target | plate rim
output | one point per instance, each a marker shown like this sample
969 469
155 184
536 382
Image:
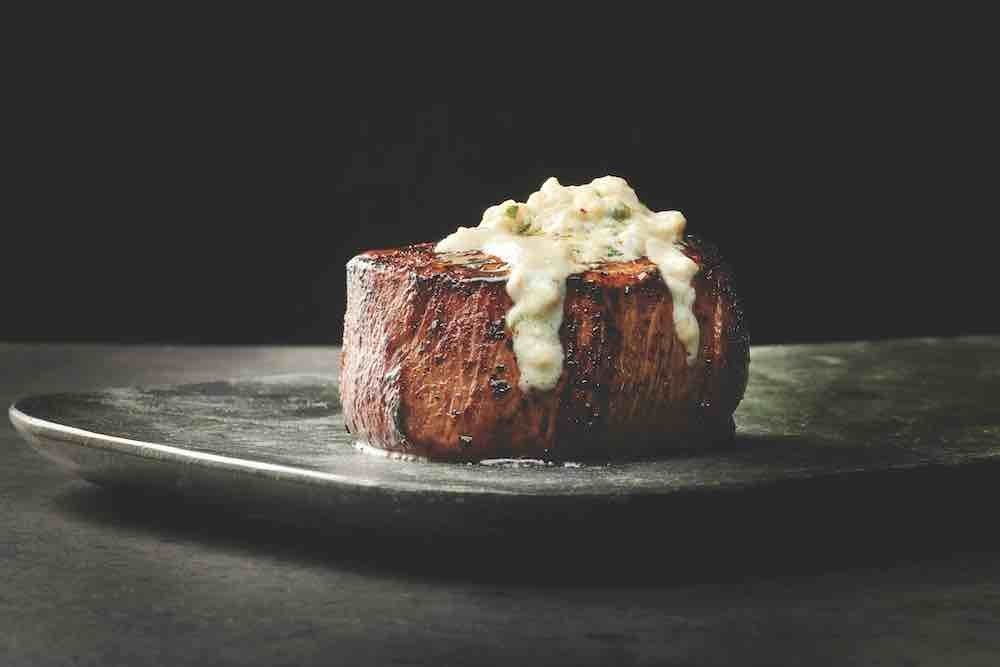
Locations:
30 427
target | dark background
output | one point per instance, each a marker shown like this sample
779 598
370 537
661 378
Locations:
210 189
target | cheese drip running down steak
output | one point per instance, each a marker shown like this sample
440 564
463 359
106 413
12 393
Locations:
563 230
575 325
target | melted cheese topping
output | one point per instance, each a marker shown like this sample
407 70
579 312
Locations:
562 230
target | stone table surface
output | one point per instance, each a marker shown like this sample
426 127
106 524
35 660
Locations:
90 576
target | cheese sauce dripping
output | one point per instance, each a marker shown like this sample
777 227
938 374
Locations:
562 230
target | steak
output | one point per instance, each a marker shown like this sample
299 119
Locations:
428 367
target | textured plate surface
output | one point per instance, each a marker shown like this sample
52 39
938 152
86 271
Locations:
810 411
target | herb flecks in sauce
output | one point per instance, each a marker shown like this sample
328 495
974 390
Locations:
621 212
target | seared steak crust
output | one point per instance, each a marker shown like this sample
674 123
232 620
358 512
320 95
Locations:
428 367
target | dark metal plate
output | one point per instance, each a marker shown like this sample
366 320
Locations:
817 411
